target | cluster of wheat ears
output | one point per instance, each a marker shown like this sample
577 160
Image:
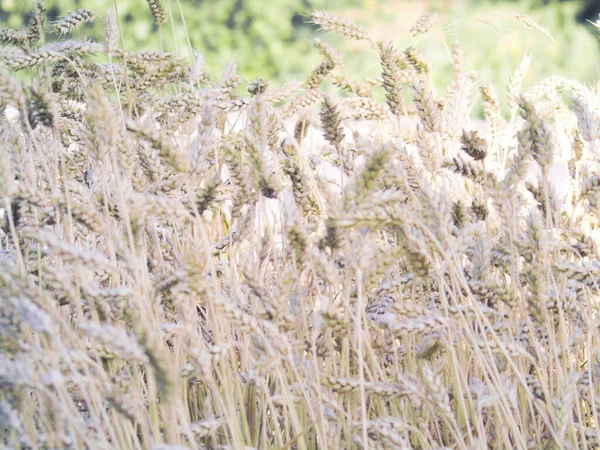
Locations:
183 266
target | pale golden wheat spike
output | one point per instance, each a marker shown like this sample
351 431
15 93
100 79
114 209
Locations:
342 27
424 23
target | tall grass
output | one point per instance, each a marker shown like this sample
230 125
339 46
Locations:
185 267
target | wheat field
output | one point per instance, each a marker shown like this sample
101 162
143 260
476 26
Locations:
185 266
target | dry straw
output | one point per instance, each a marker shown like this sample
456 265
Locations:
185 266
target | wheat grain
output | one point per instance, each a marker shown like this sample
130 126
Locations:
35 30
158 11
392 82
424 24
68 23
342 27
178 270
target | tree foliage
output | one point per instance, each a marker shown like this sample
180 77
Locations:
266 39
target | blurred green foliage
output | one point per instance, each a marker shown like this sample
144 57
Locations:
273 39
270 39
494 41
495 49
573 53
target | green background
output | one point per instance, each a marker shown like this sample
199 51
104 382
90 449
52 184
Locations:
274 39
